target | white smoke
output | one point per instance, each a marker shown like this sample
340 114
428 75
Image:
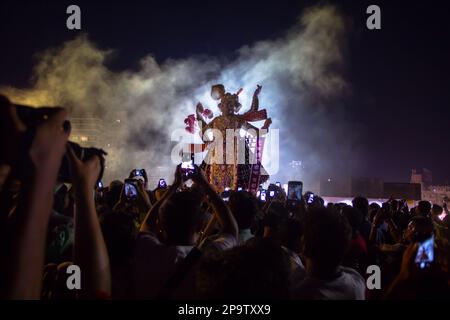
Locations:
298 72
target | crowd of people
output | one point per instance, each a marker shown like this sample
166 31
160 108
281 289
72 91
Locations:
131 241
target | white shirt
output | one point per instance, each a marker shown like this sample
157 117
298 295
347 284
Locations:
349 285
155 262
244 235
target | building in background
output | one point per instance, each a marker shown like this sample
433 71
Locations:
343 189
433 193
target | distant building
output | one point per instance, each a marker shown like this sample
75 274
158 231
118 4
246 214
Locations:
88 131
372 188
433 193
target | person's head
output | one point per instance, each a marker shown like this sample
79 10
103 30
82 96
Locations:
394 205
217 91
275 216
113 194
354 217
140 175
373 209
180 217
436 210
419 229
244 207
423 208
119 231
361 204
325 240
289 233
257 270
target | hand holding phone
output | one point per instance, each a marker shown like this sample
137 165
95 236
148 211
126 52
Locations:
425 253
130 189
162 184
262 195
187 165
295 190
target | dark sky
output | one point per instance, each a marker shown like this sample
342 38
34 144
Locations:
400 75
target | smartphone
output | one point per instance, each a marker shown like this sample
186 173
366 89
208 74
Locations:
425 253
226 194
100 184
239 189
263 195
258 193
187 164
295 190
278 184
162 184
130 189
272 194
310 198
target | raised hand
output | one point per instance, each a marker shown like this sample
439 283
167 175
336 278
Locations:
258 90
267 123
84 173
178 177
49 145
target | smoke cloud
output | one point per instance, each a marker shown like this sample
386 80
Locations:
301 75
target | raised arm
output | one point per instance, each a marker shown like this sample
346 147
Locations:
27 230
90 252
221 210
150 221
255 100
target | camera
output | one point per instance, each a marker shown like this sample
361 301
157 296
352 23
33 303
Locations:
32 117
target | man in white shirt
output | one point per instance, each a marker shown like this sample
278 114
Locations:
326 238
170 231
244 207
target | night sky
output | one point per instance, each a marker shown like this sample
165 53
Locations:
399 76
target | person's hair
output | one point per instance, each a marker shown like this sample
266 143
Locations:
423 208
244 207
119 232
257 270
373 208
361 204
289 232
113 194
423 228
326 236
276 214
180 216
437 209
354 217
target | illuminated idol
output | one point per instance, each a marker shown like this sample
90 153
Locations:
234 146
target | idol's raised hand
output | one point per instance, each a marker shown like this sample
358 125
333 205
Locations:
258 90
